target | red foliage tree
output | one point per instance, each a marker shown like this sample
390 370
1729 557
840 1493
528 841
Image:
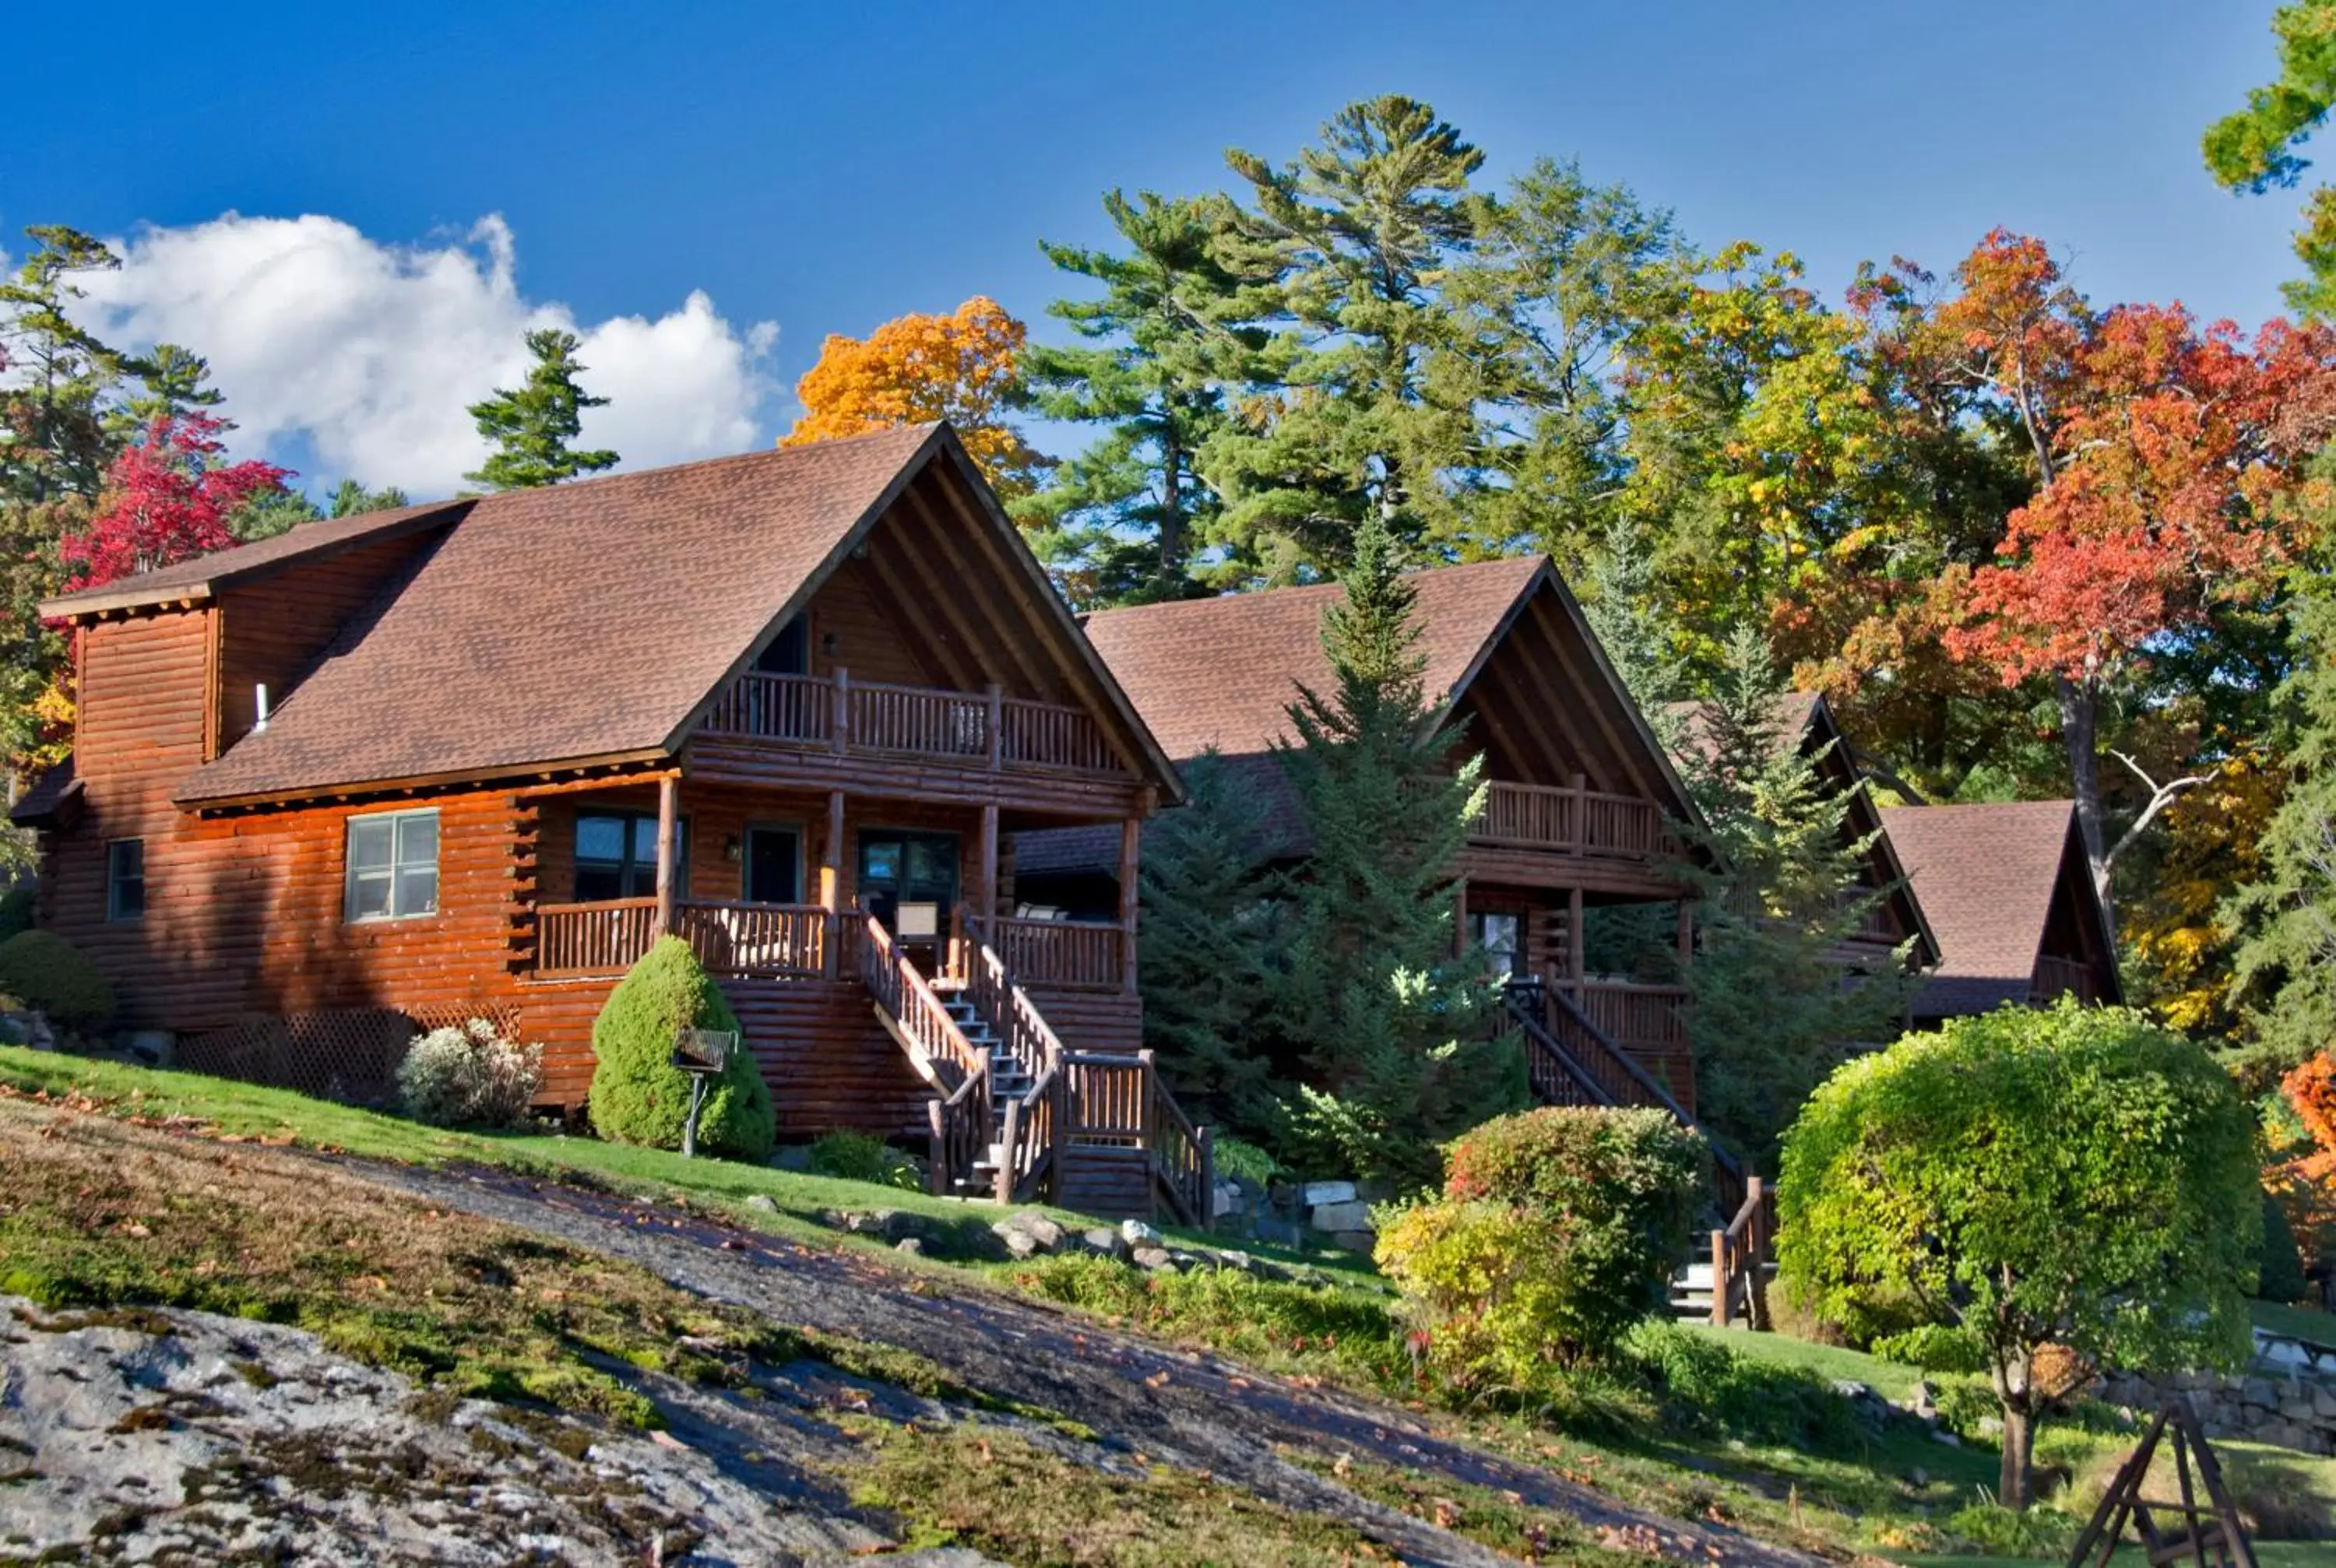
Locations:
2161 450
2305 1183
168 498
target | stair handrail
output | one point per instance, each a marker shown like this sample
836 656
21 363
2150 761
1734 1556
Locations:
1182 1157
999 1000
1656 1094
1738 1255
960 1116
1026 1145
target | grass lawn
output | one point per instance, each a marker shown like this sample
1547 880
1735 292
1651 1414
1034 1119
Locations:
2306 1323
282 1117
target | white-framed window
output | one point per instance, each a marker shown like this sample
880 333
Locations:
393 866
125 879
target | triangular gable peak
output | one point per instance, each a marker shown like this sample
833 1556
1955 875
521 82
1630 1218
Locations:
1819 736
1543 702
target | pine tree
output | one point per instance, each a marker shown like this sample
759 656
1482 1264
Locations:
1771 1013
1209 939
2285 962
1397 1034
1622 601
1358 421
532 425
176 381
61 438
1119 524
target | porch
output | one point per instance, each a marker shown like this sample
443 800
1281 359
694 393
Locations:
1573 820
986 731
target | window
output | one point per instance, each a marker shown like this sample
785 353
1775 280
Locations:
773 873
1498 935
125 879
615 855
393 866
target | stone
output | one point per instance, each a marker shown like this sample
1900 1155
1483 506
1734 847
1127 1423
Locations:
1136 1234
896 1226
2297 1407
1019 1242
1237 1261
2258 1392
913 1246
1351 1215
1044 1233
2323 1400
1917 1477
1105 1241
1314 1195
1926 1403
1153 1258
763 1202
1226 1199
1949 1438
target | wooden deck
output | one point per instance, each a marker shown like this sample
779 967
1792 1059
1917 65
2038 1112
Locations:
1575 820
986 731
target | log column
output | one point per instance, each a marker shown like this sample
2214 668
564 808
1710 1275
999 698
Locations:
1686 936
1131 853
1577 958
668 793
830 881
984 895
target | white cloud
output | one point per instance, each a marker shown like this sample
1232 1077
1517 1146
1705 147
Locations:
373 352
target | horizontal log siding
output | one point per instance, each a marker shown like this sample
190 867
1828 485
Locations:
853 609
1104 1022
272 631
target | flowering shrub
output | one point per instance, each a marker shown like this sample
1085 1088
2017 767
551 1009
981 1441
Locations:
469 1077
857 1157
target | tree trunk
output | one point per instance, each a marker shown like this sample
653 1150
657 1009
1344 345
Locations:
2081 732
2019 1452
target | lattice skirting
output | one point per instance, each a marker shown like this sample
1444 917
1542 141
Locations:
350 1055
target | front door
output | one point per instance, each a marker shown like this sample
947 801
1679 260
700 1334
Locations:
773 865
909 882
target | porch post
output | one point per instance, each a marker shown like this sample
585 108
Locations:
1577 960
830 881
985 903
1686 936
1131 852
668 789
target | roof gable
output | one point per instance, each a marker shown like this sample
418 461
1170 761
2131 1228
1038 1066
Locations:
1987 876
593 622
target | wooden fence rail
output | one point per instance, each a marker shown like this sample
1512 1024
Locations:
979 729
1070 955
1577 820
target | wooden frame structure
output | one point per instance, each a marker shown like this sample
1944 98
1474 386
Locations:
2209 1534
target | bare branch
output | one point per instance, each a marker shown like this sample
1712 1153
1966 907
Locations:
2161 795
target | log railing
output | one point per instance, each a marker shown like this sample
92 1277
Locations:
1000 1002
961 1122
1739 1258
1027 1142
1575 820
580 941
593 939
1183 1160
985 730
2058 977
740 938
1650 1020
1067 955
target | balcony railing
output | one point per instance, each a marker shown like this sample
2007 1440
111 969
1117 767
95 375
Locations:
1069 955
2057 977
1645 1020
607 938
1574 821
986 730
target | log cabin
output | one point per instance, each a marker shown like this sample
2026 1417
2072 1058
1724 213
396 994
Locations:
471 758
1581 797
2010 894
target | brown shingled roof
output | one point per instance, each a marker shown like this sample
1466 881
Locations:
1985 875
581 621
199 578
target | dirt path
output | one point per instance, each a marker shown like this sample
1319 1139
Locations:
1190 1409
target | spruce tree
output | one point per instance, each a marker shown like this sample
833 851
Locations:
532 424
2285 963
1397 1035
1119 524
1209 941
1771 1012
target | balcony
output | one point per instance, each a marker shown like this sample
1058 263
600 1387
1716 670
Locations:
1571 821
980 730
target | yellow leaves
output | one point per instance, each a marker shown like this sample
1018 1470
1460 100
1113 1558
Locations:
964 367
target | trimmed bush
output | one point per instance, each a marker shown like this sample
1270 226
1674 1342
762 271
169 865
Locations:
16 909
45 971
856 1158
638 1095
469 1076
1558 1230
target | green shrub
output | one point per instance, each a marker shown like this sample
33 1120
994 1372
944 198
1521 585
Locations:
46 972
469 1077
1235 1157
2281 1277
16 909
857 1157
2038 1533
638 1095
1709 1389
1934 1347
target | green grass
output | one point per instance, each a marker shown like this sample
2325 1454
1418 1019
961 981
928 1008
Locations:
246 1110
2301 1322
1889 1379
2268 1554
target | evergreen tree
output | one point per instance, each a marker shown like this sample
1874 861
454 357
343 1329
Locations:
175 381
2285 961
1208 944
532 425
1119 522
1622 602
1397 1035
1771 1012
351 498
1358 420
265 516
53 406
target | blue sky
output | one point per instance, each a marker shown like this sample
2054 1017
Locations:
823 169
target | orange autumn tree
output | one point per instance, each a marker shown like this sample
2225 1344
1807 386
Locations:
2305 1182
964 367
2162 452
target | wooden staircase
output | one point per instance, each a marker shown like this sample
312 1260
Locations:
1017 1116
1572 1062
